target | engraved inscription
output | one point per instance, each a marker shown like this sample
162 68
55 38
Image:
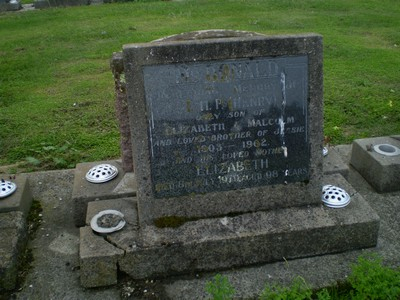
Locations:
224 125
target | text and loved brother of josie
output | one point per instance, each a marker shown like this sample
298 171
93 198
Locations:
235 124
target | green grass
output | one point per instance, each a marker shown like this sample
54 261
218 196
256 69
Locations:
56 88
369 279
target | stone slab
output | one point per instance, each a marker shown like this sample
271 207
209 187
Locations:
127 206
333 163
98 259
124 185
188 61
221 243
92 245
21 199
381 171
246 239
13 240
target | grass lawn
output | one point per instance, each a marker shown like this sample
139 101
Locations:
56 87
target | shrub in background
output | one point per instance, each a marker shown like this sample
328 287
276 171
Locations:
371 280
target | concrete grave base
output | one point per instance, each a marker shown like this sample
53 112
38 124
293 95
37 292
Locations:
12 224
96 252
231 241
10 5
21 199
381 171
124 185
14 210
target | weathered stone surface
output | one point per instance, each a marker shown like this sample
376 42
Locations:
98 254
85 192
127 185
127 206
381 171
13 212
157 196
21 199
246 239
98 259
13 240
334 164
121 106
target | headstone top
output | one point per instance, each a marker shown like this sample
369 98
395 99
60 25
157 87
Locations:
208 34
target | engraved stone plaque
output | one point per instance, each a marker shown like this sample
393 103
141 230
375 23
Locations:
227 124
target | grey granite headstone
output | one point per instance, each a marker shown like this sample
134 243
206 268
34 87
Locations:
225 122
39 4
10 5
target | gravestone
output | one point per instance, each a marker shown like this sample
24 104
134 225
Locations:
232 124
10 5
227 146
39 4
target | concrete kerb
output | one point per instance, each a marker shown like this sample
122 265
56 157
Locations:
14 210
381 170
13 236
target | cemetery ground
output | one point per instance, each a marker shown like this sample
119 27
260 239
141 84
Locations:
57 91
62 79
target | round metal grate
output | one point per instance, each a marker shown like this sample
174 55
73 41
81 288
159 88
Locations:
101 173
7 188
387 149
108 221
335 197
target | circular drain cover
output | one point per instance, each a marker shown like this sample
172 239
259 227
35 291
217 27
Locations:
7 188
334 196
101 173
108 221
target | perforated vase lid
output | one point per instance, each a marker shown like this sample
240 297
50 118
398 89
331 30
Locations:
101 173
7 188
334 196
